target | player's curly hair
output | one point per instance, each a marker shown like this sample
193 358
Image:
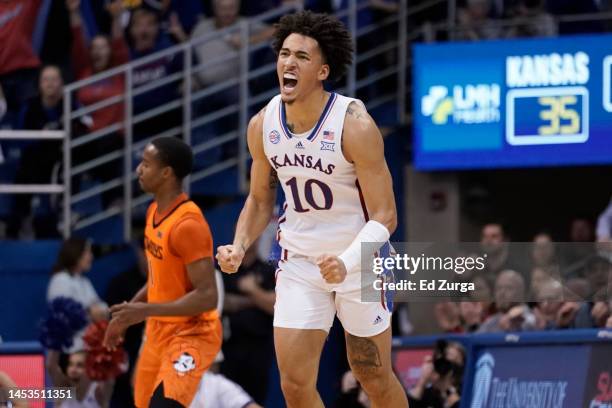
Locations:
332 36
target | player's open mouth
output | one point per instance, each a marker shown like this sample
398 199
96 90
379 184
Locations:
289 81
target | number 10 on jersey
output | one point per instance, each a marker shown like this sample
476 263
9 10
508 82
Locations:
313 194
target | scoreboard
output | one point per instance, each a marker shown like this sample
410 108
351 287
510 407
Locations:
513 103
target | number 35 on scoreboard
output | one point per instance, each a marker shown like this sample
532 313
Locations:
540 116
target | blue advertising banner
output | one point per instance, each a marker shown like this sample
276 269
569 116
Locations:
514 103
530 377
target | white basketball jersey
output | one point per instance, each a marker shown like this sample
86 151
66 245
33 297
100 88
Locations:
324 209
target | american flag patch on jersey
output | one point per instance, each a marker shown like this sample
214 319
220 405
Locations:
328 135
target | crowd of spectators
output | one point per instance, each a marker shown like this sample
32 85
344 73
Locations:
555 285
50 45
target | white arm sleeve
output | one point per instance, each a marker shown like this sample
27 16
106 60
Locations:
372 232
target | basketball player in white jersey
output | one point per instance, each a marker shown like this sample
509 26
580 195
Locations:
328 155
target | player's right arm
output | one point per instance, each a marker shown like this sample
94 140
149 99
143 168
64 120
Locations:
257 210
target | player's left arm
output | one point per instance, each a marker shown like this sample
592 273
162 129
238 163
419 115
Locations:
363 146
202 298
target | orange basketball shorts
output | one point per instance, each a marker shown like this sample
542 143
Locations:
177 353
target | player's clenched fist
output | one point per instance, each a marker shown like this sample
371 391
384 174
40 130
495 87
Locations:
332 268
230 258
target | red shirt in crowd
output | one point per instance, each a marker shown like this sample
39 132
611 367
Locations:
17 21
103 89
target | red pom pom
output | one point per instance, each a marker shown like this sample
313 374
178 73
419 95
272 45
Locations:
102 364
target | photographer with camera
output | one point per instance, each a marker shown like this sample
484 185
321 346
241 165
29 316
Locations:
441 375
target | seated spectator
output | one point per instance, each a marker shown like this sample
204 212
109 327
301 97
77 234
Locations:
88 393
582 237
494 243
18 60
512 311
39 158
248 308
472 315
73 261
540 276
475 24
448 317
549 298
439 385
532 20
543 253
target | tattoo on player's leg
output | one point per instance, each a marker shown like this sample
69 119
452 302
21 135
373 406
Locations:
363 354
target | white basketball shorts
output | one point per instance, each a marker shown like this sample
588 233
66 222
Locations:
305 301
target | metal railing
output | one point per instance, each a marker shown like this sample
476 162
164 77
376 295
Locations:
253 87
452 30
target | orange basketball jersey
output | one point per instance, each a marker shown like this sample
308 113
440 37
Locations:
168 279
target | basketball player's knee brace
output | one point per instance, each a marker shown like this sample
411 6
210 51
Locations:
372 232
158 400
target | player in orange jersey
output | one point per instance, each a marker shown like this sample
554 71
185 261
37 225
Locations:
183 333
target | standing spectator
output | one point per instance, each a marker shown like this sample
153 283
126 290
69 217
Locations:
101 54
228 47
73 261
18 60
145 38
474 22
249 305
38 158
512 311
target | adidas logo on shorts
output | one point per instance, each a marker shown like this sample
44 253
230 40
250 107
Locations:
378 320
